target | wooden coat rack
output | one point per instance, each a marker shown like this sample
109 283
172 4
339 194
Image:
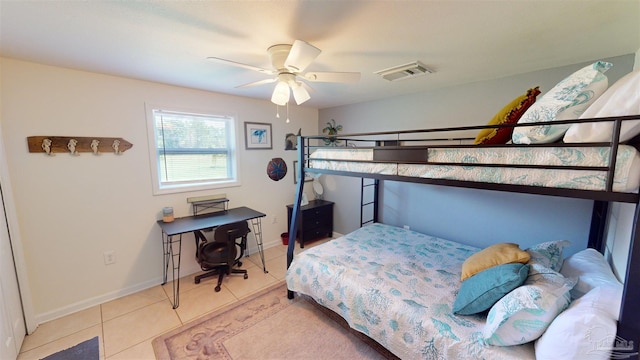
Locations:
74 145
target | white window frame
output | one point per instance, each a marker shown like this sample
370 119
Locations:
158 187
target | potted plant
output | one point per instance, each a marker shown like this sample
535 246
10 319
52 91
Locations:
331 129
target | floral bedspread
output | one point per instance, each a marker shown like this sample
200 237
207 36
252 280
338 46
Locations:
397 286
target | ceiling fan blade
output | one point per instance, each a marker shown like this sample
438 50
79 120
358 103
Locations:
256 83
234 63
339 77
301 55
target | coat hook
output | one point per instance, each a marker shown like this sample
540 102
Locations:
116 147
94 146
72 146
46 146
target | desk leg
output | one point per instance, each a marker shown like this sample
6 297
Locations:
171 253
257 232
165 257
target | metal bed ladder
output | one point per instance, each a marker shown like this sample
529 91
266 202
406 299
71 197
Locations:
369 200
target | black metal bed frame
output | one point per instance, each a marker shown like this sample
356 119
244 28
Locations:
399 147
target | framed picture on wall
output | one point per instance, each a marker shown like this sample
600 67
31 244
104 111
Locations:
257 136
307 177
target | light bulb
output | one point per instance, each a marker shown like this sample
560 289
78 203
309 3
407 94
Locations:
281 93
300 94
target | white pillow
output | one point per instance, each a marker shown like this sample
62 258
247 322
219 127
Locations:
622 98
583 331
592 271
524 314
567 100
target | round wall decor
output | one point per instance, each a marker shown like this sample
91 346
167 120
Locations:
276 169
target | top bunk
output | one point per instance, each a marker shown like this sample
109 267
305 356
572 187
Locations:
607 169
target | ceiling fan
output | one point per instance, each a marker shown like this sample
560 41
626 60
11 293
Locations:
289 63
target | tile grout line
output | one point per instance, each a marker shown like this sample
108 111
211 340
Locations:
252 261
103 347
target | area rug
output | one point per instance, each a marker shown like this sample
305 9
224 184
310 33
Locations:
267 325
86 350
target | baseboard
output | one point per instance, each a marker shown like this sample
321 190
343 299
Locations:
88 303
85 304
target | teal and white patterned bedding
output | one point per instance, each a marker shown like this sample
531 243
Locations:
626 177
397 286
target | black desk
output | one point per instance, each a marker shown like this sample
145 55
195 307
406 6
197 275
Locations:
172 237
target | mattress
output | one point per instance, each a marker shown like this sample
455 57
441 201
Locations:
397 286
626 177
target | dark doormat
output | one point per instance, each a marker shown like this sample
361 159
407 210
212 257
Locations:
86 350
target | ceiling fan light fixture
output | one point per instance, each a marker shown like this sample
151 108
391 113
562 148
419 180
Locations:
300 94
288 63
281 94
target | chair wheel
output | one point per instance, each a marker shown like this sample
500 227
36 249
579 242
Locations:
239 263
217 289
246 276
197 281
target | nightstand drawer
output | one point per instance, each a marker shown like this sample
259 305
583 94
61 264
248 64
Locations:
313 221
319 212
316 233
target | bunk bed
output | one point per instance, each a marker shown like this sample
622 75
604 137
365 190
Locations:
444 157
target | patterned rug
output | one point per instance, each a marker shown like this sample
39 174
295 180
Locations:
267 325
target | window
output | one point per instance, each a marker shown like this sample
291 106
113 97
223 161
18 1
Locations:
191 151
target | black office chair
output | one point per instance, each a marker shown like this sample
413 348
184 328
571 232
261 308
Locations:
218 257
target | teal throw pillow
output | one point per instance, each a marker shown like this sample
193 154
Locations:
479 292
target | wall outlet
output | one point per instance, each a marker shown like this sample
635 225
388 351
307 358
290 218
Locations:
407 227
109 257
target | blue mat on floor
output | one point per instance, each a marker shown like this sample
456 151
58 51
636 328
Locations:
86 350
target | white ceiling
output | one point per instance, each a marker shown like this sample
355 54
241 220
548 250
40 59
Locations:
462 41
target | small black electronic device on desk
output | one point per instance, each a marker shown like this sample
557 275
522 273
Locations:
316 220
172 237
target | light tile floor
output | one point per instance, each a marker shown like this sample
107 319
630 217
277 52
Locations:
126 326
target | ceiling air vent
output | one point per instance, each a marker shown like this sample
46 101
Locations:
405 71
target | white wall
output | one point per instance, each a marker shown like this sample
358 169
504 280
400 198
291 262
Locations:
71 209
441 210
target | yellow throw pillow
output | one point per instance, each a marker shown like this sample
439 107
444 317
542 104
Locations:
510 114
497 254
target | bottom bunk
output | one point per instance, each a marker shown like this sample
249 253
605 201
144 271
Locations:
404 290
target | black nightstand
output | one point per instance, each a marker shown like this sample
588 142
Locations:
316 220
